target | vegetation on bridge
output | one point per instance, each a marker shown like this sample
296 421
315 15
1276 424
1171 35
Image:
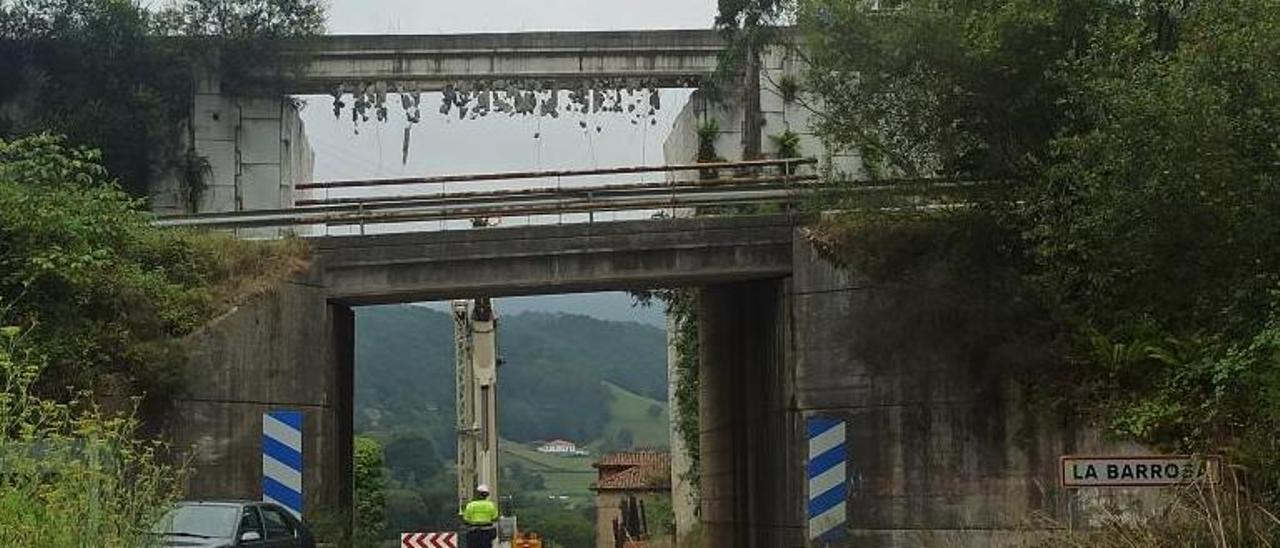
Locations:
1135 146
118 76
93 302
103 296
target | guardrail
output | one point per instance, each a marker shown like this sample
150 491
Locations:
747 183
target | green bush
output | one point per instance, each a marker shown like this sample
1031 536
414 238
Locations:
71 475
102 293
118 75
371 491
1131 153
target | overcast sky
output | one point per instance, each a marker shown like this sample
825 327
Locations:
454 16
442 144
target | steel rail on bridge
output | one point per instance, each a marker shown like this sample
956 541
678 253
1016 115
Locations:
739 189
547 174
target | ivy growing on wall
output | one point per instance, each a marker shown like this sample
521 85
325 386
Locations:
119 77
682 306
682 309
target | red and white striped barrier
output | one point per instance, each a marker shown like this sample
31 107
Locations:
429 540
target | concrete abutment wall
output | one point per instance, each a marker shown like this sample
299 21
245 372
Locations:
946 447
285 349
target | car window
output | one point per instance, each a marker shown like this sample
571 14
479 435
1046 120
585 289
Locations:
278 524
199 520
250 521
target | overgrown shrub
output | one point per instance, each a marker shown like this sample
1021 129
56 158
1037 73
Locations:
103 294
70 474
1135 145
1202 515
371 491
119 75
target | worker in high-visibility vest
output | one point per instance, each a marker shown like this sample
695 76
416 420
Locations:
480 515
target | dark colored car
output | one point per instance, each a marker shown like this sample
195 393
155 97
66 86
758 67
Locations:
232 524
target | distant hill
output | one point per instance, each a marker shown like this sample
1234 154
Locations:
609 306
555 384
634 421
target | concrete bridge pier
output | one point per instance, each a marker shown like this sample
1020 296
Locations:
751 495
288 348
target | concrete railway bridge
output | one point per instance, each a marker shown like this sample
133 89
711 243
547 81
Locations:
834 411
801 366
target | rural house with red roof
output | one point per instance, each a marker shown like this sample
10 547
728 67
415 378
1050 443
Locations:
627 483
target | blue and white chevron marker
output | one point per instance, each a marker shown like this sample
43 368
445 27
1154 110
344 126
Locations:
828 479
282 459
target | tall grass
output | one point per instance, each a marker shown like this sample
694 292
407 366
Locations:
1201 515
70 474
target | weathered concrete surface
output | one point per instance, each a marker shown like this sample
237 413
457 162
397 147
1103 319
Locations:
751 472
945 449
684 502
555 258
285 349
779 114
256 149
670 58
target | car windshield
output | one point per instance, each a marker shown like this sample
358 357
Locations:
203 520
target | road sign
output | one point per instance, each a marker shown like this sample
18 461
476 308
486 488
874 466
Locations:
282 459
1138 471
828 478
428 540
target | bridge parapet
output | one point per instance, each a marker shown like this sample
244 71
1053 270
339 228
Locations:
666 58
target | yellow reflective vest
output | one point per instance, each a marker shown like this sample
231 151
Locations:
480 512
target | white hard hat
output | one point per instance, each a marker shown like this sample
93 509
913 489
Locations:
483 488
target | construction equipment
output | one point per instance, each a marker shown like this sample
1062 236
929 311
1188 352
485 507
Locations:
475 334
474 327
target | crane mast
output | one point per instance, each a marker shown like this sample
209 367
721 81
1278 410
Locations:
475 335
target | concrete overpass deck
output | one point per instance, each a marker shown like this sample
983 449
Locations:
664 58
543 259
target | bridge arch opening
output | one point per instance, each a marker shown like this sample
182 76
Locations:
744 418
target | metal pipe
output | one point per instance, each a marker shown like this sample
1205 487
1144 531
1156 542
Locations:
443 213
512 175
481 197
666 186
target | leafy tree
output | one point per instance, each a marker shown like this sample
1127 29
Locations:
407 511
117 76
550 386
944 88
412 458
102 293
1136 146
248 19
736 15
431 507
371 491
560 527
624 439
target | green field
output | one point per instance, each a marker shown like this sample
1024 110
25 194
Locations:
561 476
631 411
572 476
